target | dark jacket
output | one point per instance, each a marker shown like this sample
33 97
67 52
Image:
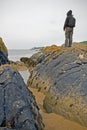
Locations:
66 24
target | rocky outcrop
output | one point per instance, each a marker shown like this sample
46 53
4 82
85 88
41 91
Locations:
61 73
33 61
3 53
3 48
3 59
18 108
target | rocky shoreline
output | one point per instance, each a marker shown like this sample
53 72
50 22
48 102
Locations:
56 71
60 73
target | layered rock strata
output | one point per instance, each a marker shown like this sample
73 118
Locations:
61 73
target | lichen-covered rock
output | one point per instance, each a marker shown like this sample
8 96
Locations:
3 53
62 76
18 108
3 48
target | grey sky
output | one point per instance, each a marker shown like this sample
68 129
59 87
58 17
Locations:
29 23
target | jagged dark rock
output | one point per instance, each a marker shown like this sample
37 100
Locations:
18 108
3 59
62 76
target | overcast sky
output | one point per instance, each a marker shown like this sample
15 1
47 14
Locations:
29 23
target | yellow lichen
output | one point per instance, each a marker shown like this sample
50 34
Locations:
2 46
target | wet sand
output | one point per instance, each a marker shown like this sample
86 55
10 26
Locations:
53 121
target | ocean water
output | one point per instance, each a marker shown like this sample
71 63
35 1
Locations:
25 75
15 55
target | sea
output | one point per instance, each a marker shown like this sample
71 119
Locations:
15 55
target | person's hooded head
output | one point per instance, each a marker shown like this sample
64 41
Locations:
69 12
